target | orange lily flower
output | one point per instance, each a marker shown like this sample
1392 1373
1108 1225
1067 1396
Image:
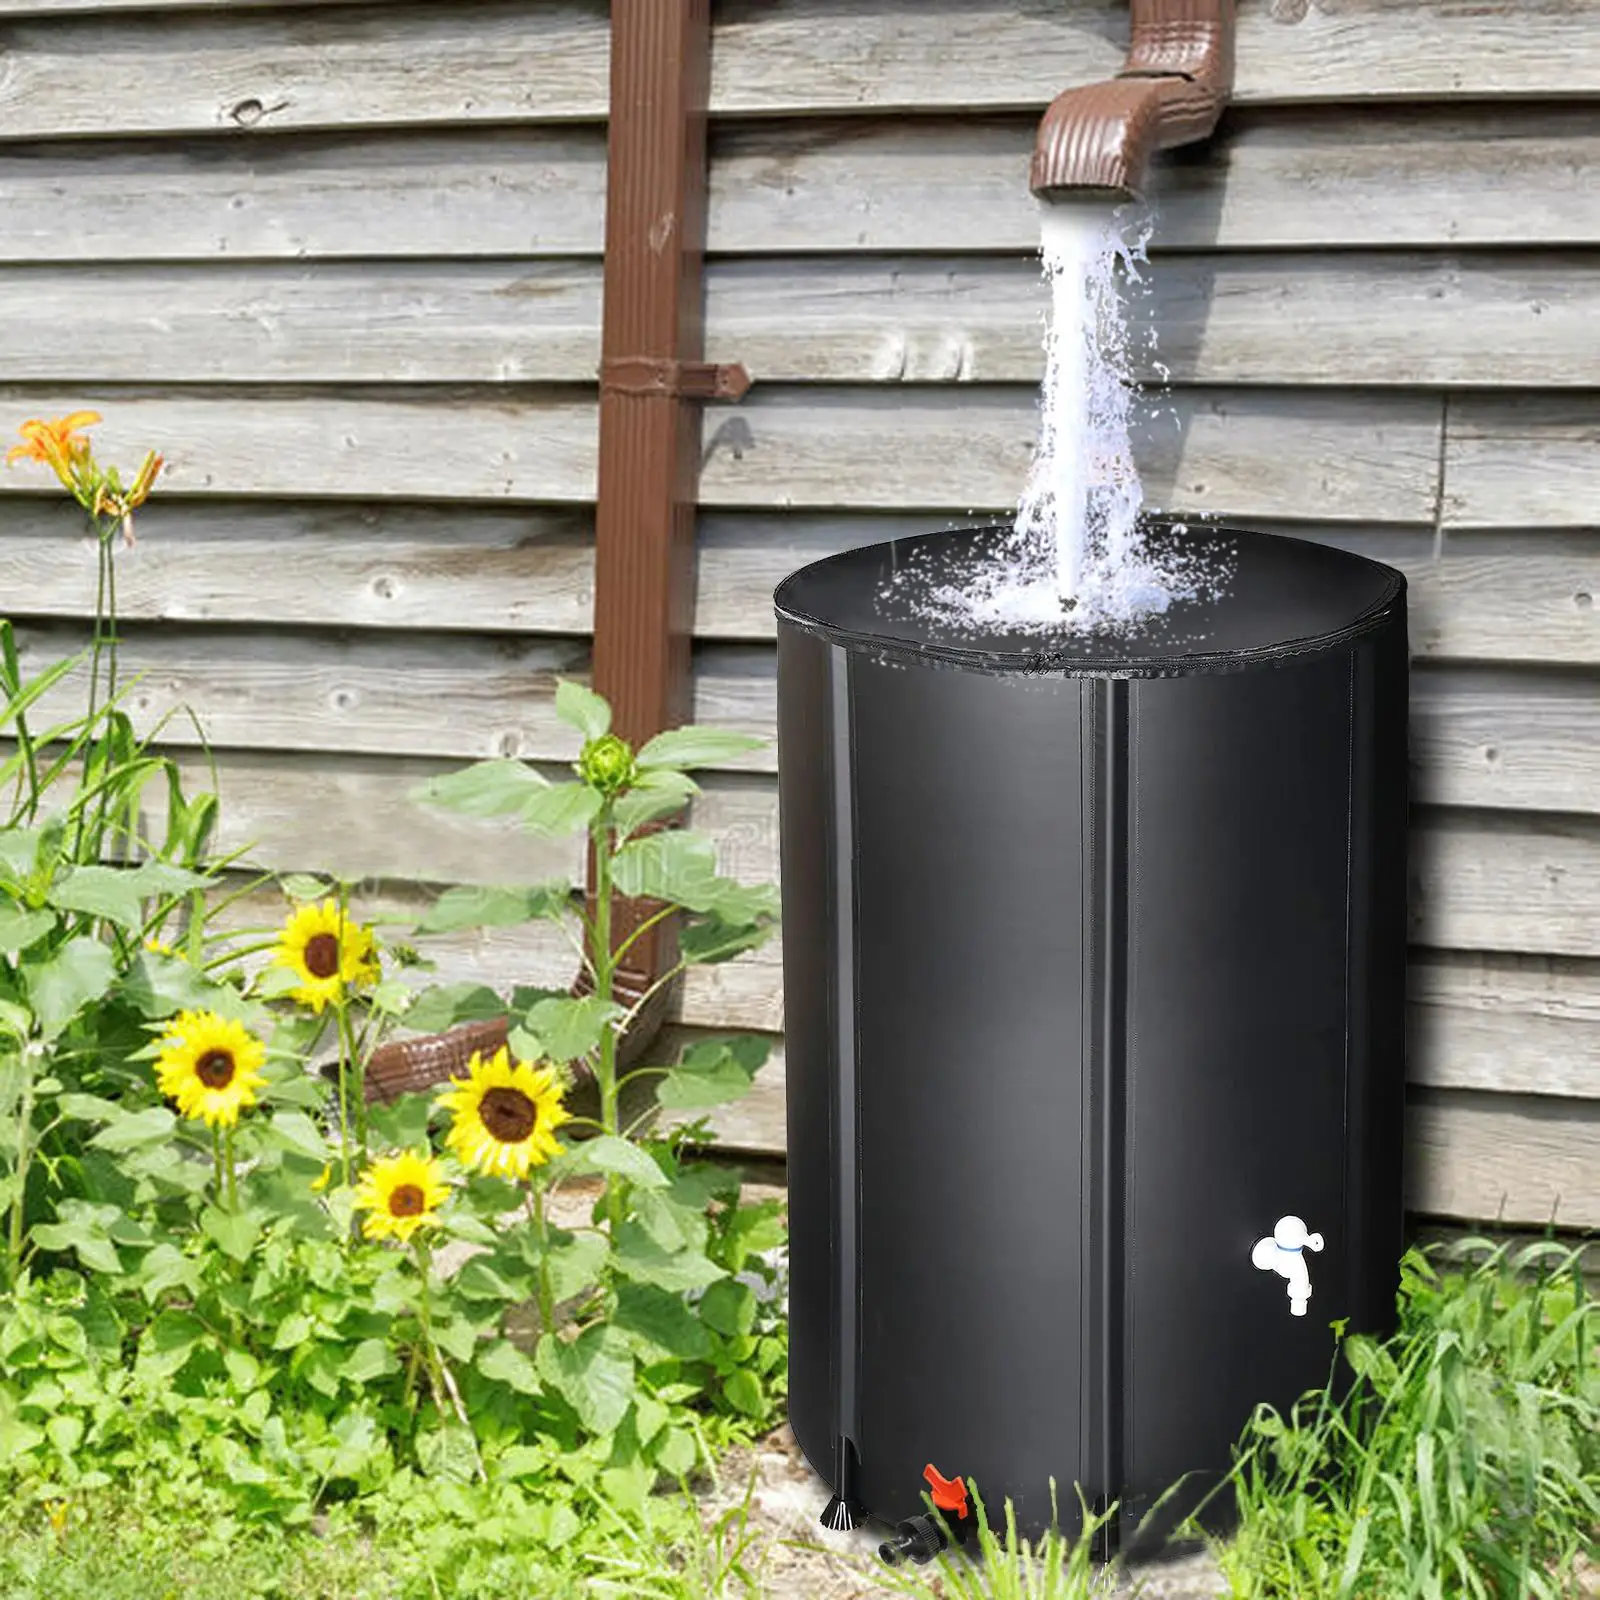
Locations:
110 501
58 444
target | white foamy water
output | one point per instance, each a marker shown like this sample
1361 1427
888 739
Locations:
1076 559
1083 491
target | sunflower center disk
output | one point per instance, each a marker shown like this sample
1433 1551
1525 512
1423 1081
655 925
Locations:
508 1114
215 1069
322 955
407 1201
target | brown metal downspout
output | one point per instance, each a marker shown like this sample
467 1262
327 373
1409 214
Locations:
1171 90
652 379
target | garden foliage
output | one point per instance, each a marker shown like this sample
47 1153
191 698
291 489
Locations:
231 1283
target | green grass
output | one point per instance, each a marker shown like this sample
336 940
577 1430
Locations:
1457 1460
1463 1461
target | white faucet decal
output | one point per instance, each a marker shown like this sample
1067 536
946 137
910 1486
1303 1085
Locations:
1284 1252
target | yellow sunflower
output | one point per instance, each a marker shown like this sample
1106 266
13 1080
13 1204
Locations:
211 1066
504 1116
332 955
402 1193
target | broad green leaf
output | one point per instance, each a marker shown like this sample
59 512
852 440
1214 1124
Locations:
160 986
657 794
403 1123
485 789
660 1319
16 1021
166 1267
729 1307
118 893
505 1363
711 1073
575 1262
479 1279
234 1233
742 1390
619 1158
294 1130
456 1337
673 865
293 1331
133 1130
85 1237
65 1432
566 1028
482 906
175 1332
443 1005
560 809
372 1358
303 886
582 709
694 746
641 1258
19 929
703 941
677 1452
19 850
81 971
594 1374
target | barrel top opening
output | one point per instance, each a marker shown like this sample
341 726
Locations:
1270 598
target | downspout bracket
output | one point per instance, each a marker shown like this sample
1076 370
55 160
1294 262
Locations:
689 380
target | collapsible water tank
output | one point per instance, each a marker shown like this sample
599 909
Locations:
1094 969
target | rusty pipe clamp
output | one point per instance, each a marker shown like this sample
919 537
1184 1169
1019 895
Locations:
688 380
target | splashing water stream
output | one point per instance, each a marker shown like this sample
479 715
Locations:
1076 559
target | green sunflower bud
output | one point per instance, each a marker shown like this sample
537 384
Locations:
607 764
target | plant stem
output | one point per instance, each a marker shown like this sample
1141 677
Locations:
216 1158
344 1116
352 1069
233 1171
24 1160
534 1200
605 966
425 1321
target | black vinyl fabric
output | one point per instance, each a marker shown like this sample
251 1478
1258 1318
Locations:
1091 973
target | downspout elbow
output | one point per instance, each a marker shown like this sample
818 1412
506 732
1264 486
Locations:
1172 89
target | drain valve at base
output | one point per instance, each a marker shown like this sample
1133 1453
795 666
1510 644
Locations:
921 1538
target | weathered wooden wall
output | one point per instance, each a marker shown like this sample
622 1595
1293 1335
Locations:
341 262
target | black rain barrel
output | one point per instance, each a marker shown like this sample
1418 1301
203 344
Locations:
1094 971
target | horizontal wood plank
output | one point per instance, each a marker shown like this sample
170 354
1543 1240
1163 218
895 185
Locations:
434 444
1512 1159
494 191
1521 740
809 55
1516 596
440 568
1427 176
1319 457
1533 461
1337 456
1482 881
1479 880
239 68
1487 740
1351 319
1505 1023
245 71
1332 177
